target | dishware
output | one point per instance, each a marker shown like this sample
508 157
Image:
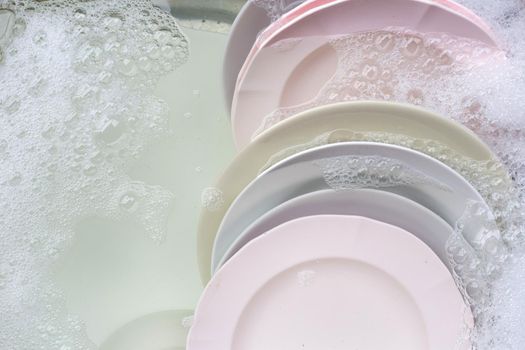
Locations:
374 204
159 330
318 126
331 282
291 66
348 165
247 25
252 20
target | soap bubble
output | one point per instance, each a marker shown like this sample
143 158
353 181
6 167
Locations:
212 198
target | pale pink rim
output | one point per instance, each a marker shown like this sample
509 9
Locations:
393 250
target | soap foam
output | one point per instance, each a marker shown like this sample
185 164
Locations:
351 172
276 8
212 198
76 112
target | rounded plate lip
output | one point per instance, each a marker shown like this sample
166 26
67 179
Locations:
244 125
375 204
161 329
298 175
245 27
234 285
362 116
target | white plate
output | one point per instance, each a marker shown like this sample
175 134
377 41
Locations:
432 184
332 282
378 205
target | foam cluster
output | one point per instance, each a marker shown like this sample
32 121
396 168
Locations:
212 198
76 111
350 172
276 8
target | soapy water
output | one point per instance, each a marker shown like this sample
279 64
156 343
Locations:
76 112
482 88
276 8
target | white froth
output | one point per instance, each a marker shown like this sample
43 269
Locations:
187 322
212 198
76 111
276 8
305 278
348 172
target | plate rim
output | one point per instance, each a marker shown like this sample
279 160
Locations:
330 195
262 243
228 224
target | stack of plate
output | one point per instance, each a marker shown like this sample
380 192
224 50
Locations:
329 230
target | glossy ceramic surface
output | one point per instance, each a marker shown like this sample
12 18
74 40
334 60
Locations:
375 204
331 282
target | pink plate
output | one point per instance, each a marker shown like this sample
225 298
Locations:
253 20
331 282
275 77
373 14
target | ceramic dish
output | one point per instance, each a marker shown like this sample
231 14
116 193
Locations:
248 24
298 133
160 330
419 177
292 73
253 20
309 19
331 282
378 205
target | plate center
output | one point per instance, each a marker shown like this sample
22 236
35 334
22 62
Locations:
335 304
310 74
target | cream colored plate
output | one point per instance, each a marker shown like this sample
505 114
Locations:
294 135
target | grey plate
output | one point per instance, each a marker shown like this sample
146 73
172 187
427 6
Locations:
249 23
299 174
